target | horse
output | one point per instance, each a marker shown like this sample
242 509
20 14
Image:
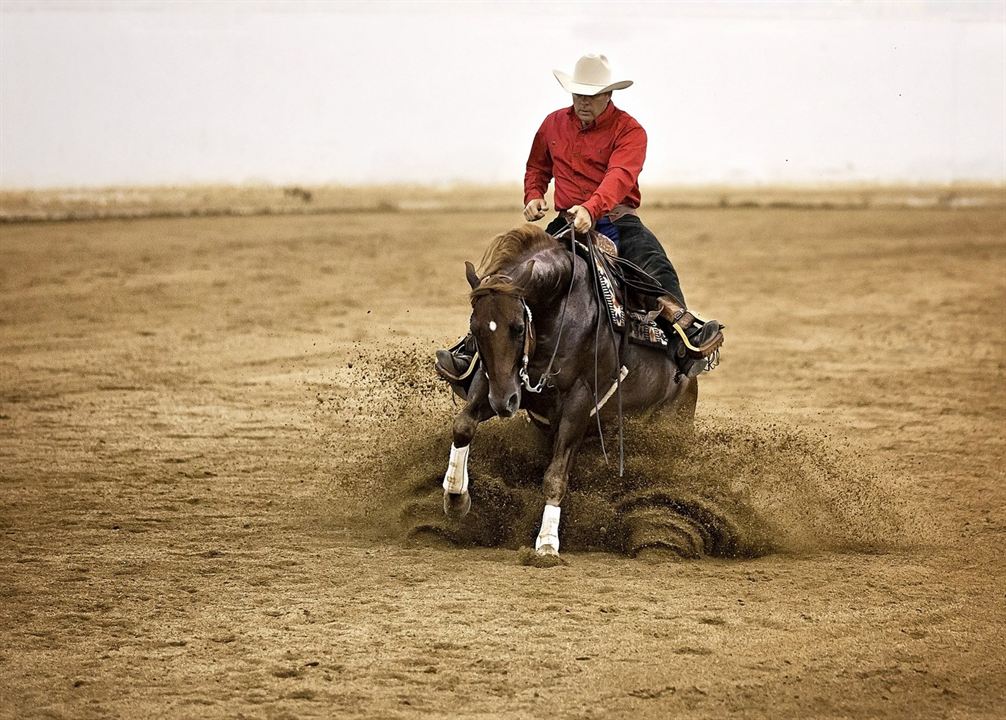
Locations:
546 347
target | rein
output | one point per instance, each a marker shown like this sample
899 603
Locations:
619 376
545 380
592 252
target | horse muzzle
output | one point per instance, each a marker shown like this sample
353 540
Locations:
505 404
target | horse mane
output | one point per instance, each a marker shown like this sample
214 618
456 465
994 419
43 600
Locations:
503 252
507 248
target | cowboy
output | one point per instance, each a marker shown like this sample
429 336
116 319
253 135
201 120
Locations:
594 151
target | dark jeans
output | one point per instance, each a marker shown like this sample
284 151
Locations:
638 245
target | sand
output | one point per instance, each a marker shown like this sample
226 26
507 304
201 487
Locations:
220 441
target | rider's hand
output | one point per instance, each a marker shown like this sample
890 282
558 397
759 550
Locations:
581 218
535 210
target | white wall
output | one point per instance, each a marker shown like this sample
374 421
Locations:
98 93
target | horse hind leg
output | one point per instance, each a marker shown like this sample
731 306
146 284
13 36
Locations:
680 409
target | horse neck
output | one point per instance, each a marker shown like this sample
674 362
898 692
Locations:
550 286
550 279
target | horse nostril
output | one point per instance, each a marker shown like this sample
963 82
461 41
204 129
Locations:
505 407
511 403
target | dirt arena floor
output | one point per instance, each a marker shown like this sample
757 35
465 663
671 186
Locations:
220 441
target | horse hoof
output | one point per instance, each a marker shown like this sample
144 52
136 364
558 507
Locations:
544 557
457 505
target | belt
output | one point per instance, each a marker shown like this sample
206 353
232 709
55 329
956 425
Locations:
620 211
617 212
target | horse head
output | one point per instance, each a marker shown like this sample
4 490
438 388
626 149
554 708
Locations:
501 325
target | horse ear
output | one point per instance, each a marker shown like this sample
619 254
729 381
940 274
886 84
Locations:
522 278
473 277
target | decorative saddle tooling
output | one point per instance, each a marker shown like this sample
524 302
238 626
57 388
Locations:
696 343
643 328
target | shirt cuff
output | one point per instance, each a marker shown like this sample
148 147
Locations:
592 207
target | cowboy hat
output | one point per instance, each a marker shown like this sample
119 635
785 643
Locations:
591 76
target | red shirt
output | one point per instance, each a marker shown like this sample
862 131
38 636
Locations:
596 167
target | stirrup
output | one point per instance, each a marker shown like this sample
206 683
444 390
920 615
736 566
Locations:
701 352
693 367
704 341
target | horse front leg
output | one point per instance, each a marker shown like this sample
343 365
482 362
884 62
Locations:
571 427
457 501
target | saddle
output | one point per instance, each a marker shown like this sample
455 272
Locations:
633 300
623 301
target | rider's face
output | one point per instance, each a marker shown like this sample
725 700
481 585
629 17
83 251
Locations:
588 107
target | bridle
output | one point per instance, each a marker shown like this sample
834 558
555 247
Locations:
528 351
545 380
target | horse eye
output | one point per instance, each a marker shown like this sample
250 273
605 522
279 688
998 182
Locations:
517 330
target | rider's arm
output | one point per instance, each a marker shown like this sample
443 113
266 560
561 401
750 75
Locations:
624 165
539 167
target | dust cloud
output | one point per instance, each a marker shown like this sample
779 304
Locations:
733 488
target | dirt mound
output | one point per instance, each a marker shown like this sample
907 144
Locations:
732 489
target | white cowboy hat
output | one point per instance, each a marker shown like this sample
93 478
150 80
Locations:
591 76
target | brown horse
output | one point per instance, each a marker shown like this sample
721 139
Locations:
546 346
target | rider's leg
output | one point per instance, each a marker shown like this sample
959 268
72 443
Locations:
637 244
694 341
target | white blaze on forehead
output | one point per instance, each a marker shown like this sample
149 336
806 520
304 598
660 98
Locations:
492 326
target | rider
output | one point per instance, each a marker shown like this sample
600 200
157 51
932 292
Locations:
595 152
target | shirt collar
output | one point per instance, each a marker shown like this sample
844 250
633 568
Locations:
605 118
607 115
